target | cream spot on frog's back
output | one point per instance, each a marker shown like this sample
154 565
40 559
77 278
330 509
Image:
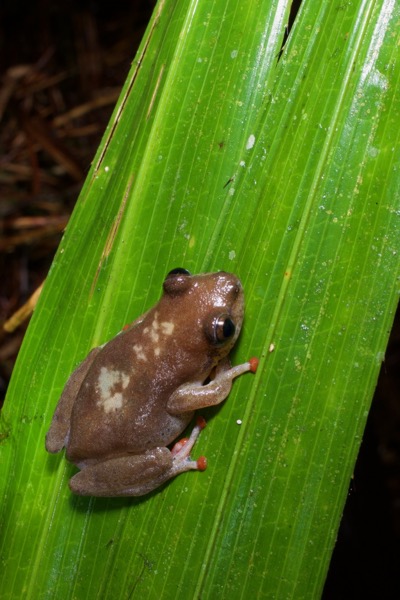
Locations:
110 386
114 403
153 330
156 332
154 336
167 327
155 326
138 350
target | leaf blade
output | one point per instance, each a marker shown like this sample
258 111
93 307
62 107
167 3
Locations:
284 481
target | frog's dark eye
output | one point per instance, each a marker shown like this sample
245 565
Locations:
223 329
178 271
177 282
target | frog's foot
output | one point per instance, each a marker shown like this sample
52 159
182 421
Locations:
181 461
138 474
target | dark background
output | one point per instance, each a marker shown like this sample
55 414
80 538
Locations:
62 65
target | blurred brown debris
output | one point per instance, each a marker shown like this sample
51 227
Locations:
61 70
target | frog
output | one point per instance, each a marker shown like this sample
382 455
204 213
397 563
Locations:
131 397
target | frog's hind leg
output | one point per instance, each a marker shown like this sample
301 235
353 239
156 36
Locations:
129 475
137 474
59 428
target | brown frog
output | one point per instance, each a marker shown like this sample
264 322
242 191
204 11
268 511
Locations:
134 395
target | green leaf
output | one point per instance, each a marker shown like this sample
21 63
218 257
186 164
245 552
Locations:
224 153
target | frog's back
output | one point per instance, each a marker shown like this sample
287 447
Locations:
122 406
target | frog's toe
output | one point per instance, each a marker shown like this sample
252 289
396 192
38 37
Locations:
180 452
182 448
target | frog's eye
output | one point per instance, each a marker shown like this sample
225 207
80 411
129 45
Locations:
223 329
177 282
178 271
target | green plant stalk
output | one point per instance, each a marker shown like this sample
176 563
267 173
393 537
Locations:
224 153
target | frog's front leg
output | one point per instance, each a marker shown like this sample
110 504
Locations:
138 474
193 396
